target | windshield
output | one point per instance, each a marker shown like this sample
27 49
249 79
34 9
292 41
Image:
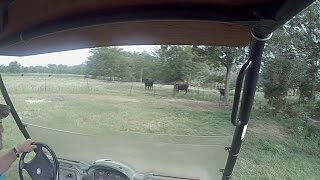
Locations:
86 119
167 155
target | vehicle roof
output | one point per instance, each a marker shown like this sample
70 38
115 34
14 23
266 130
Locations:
38 26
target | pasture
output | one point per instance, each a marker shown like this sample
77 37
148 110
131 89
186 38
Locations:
269 151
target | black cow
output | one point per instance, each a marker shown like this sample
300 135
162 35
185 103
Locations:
148 83
181 87
221 91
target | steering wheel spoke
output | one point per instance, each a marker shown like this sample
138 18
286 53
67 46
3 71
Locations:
40 167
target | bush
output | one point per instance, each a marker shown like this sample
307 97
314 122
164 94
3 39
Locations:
315 110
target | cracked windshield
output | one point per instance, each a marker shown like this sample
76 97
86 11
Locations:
160 112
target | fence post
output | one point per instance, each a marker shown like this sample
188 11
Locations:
88 84
174 89
131 88
203 92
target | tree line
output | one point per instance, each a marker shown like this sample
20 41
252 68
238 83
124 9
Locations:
196 65
15 67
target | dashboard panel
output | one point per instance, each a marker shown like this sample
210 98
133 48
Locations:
72 170
67 174
105 170
99 170
108 174
109 170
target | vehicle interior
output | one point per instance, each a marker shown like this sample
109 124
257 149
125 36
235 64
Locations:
38 27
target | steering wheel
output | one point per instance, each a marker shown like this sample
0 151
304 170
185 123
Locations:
40 167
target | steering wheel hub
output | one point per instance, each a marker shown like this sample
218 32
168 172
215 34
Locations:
38 171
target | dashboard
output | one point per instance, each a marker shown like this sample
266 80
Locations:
99 170
108 174
105 169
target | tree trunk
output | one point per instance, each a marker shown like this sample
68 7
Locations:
312 96
307 88
313 83
226 85
141 74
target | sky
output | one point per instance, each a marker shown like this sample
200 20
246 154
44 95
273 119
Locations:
69 58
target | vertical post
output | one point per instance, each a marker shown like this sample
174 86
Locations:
141 74
45 84
255 56
88 87
198 90
131 88
203 93
174 89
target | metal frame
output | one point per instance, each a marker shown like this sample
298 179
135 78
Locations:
261 32
244 69
250 71
13 111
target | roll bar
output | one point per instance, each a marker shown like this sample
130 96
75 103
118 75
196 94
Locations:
250 70
13 111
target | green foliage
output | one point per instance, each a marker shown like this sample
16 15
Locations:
315 110
14 67
295 116
292 61
221 56
170 63
265 156
144 66
109 62
275 79
177 63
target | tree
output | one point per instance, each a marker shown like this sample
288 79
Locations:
53 68
304 31
276 79
143 65
292 59
177 63
109 62
221 56
14 67
3 69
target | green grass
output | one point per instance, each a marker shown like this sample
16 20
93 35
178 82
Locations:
274 156
270 150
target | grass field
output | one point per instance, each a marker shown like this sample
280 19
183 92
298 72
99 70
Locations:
270 150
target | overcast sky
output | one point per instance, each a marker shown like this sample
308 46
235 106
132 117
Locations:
69 58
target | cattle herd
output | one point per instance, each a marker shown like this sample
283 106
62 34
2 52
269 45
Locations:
178 86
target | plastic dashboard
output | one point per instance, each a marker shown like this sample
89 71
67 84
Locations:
105 169
99 170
